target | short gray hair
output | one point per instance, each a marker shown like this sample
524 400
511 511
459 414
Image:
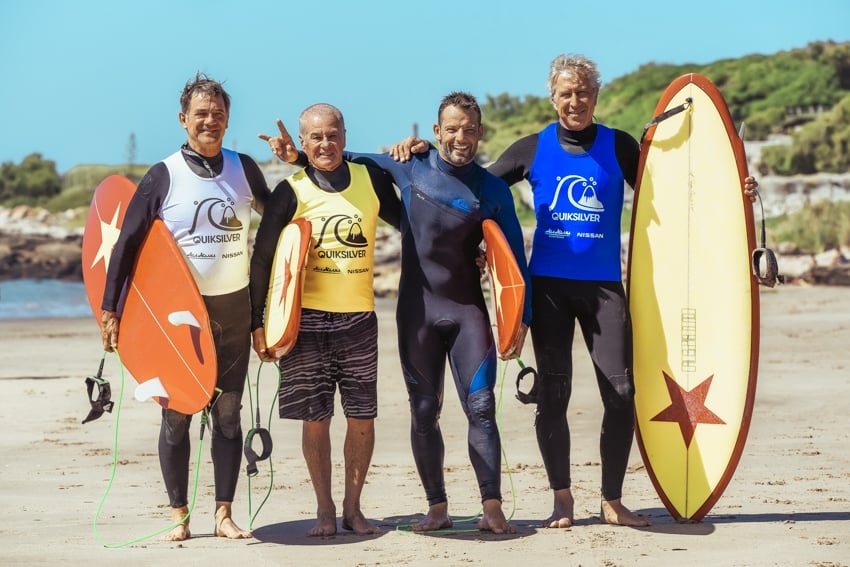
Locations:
320 108
570 64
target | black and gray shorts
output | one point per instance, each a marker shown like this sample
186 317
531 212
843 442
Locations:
332 349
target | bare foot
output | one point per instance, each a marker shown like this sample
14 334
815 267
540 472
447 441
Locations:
325 526
358 524
224 524
493 519
180 532
562 514
613 512
436 519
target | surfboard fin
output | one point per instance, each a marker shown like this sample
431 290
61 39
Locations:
148 389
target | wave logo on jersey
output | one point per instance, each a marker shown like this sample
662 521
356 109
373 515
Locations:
219 213
345 229
581 193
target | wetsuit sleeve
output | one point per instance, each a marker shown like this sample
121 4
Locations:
279 210
628 155
397 170
515 162
505 216
390 210
257 182
144 207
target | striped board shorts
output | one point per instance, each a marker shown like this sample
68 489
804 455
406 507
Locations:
332 349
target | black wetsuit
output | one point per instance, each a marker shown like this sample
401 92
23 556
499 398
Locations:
601 309
229 318
441 311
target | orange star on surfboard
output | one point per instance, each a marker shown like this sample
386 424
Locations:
687 407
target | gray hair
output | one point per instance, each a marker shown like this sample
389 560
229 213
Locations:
578 65
320 108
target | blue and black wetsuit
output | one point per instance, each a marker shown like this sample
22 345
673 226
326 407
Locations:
441 312
577 183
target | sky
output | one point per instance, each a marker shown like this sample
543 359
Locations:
78 78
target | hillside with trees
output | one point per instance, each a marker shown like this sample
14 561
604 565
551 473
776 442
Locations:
804 93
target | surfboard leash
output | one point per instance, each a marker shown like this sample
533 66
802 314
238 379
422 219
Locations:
103 386
664 116
264 434
765 266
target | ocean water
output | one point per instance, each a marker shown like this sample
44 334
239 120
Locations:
43 299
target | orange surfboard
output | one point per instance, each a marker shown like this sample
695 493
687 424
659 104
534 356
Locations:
693 298
283 304
507 284
165 340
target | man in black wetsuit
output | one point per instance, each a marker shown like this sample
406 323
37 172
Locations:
441 311
182 190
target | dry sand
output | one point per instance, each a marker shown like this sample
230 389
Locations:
788 503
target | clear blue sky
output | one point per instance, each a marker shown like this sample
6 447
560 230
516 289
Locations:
77 77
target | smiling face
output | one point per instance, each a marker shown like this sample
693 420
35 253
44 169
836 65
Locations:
458 134
574 97
322 138
205 122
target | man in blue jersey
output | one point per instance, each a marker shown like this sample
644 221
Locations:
181 190
441 313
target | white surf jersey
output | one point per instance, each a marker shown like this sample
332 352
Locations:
209 219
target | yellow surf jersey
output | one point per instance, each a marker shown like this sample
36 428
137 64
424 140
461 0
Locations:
339 267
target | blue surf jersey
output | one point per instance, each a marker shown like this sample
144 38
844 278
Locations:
578 201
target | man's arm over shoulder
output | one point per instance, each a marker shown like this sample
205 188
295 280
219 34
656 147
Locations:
390 203
515 162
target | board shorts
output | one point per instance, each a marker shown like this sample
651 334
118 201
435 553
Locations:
333 349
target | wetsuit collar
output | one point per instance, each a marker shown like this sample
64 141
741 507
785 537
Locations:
451 169
202 165
331 181
577 138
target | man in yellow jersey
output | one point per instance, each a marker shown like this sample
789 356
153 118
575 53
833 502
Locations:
338 338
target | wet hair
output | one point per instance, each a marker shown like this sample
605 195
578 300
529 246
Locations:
571 64
320 108
204 85
462 100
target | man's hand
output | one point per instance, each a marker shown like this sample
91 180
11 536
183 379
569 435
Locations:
281 145
520 341
403 150
259 340
109 330
750 186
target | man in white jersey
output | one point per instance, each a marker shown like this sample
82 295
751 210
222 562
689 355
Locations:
182 190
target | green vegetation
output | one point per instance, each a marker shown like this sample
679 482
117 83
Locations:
814 228
34 181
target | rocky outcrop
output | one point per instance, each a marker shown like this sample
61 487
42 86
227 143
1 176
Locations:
34 244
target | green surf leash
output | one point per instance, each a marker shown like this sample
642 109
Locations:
114 468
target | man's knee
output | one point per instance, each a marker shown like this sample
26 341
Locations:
425 413
226 415
621 395
175 425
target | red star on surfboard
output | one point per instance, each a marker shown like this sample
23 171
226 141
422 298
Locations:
687 407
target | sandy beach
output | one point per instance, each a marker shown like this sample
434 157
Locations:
788 503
